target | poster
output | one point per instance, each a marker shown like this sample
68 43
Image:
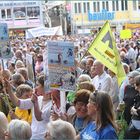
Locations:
46 72
5 48
61 65
4 32
29 64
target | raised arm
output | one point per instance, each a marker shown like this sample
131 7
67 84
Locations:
11 94
37 110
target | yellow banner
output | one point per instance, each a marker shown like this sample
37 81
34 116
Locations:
125 34
103 48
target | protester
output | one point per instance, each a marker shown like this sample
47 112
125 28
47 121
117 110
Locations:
60 130
129 94
3 125
133 131
102 81
42 108
22 92
80 118
100 107
18 130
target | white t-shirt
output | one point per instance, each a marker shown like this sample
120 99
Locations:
38 127
103 82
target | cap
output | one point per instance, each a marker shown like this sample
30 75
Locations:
133 74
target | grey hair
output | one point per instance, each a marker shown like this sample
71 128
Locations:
19 130
83 78
3 124
61 130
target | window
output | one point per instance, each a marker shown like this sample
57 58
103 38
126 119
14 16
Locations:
115 5
75 7
19 13
94 6
88 7
79 7
33 12
3 14
134 5
107 7
84 7
124 5
98 6
139 5
8 13
103 5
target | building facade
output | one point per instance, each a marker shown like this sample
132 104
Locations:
93 14
21 15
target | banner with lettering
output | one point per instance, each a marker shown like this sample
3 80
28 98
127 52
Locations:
43 31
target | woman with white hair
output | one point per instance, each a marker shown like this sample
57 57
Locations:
60 130
3 125
19 130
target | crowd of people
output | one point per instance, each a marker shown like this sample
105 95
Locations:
28 112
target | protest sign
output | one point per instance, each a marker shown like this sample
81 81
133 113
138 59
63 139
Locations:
125 34
5 49
61 65
43 31
29 64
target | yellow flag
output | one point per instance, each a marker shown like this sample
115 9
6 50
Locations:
104 49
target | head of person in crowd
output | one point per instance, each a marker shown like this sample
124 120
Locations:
126 68
83 64
87 85
23 72
39 58
100 106
122 55
60 130
24 91
55 94
99 67
39 63
83 78
80 102
18 55
11 67
19 130
89 63
92 71
111 73
131 77
127 47
6 74
3 125
19 64
40 85
17 79
137 83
